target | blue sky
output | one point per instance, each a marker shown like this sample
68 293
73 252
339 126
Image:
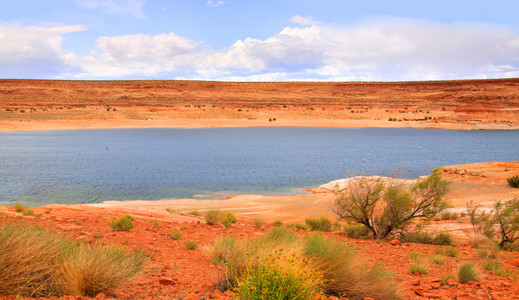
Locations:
259 40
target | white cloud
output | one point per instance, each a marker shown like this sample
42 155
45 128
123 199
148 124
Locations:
305 21
33 50
215 3
131 7
387 51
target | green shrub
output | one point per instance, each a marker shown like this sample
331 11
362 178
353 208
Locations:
28 212
446 216
176 235
447 251
420 237
514 181
495 266
172 210
191 245
419 268
355 230
437 260
155 223
277 223
298 226
467 272
482 253
319 224
194 213
213 216
231 217
258 222
18 207
38 263
445 278
124 223
444 239
311 265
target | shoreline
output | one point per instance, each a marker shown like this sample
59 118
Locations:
51 125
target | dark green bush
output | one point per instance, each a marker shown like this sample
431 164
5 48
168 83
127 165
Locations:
124 223
514 181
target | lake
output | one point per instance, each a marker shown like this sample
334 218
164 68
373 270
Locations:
87 166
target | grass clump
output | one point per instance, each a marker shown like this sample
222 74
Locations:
447 251
495 266
124 223
28 212
467 272
38 263
191 245
176 235
194 213
283 266
319 224
355 230
213 216
437 260
172 210
418 263
258 222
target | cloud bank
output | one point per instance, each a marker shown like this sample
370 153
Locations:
390 50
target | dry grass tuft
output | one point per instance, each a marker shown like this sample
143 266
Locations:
36 262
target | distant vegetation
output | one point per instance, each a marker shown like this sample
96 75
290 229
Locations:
514 181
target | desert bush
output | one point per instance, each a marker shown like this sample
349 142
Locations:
446 216
38 263
258 222
124 223
277 223
298 226
155 223
504 216
176 235
387 207
194 213
191 245
355 230
467 272
319 224
483 242
19 207
315 264
514 181
28 212
228 219
418 263
172 210
421 237
213 216
447 251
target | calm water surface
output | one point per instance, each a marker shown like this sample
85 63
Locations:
86 166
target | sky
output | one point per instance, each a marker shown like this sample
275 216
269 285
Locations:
259 40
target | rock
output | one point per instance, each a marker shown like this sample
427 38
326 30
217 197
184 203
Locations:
333 298
368 298
100 296
452 282
435 285
396 243
416 282
166 281
216 294
419 291
192 297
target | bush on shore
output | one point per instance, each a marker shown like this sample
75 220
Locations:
39 263
309 266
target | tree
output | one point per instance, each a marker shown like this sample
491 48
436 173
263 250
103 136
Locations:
386 206
502 221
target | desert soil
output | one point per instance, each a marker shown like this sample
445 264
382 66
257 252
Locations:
27 105
177 273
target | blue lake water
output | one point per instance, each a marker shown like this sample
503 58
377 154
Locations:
86 166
